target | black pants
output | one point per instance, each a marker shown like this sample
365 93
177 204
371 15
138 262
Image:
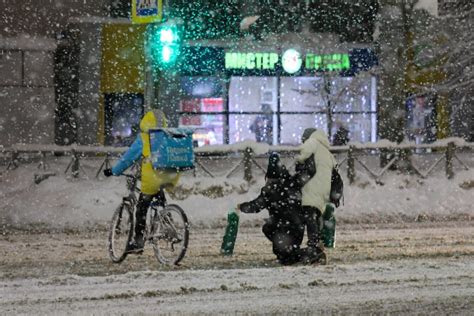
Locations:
286 237
313 221
144 201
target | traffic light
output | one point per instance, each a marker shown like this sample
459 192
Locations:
164 45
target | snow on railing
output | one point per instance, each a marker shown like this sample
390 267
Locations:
249 150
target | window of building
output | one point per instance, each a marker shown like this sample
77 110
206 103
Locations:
202 109
276 110
330 104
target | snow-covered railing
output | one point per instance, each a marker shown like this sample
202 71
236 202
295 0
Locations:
75 151
248 151
403 152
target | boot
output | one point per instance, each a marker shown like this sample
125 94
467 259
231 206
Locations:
136 246
315 255
315 251
138 243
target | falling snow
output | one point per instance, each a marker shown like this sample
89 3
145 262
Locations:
383 79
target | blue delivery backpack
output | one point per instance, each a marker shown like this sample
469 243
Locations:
171 148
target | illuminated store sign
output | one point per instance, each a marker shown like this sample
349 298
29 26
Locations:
257 61
330 62
291 61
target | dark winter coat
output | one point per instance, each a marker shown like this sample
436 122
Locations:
282 198
280 195
284 227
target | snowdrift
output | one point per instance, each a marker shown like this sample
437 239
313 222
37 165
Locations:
62 202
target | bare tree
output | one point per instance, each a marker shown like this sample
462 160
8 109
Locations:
458 65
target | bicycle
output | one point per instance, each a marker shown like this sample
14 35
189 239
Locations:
167 227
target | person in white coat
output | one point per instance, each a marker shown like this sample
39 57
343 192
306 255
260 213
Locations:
315 191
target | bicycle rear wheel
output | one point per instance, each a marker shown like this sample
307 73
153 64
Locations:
120 233
170 234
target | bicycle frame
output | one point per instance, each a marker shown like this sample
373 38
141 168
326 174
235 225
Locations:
158 201
160 227
132 188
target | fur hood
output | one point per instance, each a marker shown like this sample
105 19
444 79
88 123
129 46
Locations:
320 137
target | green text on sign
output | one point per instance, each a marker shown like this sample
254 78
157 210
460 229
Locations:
331 62
251 60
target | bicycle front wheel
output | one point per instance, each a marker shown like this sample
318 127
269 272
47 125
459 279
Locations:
170 234
120 233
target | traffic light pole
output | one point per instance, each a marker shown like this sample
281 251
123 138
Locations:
149 87
149 75
168 95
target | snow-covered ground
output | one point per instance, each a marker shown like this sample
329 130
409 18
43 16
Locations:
415 266
65 202
405 287
421 269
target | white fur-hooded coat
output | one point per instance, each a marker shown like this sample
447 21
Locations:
316 191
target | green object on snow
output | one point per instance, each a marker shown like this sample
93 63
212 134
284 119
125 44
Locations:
231 230
329 227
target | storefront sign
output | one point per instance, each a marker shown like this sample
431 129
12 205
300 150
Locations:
291 61
200 61
250 61
331 62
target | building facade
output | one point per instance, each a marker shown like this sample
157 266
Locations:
271 93
262 83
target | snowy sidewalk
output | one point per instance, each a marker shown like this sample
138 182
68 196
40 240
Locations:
63 202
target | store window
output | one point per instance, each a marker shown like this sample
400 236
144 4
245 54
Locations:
353 104
202 109
202 115
302 105
276 110
253 109
329 103
293 125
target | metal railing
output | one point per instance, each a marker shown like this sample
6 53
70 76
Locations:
248 153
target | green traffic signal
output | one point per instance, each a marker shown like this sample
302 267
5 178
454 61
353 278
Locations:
167 35
166 54
164 45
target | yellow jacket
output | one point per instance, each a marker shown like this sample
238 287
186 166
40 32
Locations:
151 179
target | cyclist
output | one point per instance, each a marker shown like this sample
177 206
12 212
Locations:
152 180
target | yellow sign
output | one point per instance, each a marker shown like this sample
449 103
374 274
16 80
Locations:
147 11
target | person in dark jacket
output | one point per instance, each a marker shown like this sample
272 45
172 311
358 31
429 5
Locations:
263 125
282 198
341 138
